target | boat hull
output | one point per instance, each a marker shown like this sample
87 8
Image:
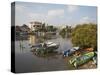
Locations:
82 59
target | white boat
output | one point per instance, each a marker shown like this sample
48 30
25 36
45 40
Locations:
46 45
51 44
74 49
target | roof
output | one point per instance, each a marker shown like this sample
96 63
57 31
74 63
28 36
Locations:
35 22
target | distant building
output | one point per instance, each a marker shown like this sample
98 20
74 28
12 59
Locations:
24 29
36 25
18 30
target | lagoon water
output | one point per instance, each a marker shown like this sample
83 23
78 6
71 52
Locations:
26 61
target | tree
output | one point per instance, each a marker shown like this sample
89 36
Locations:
66 32
43 27
63 32
85 35
49 28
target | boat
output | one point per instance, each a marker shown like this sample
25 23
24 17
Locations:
36 46
45 47
95 58
70 51
52 45
79 60
66 53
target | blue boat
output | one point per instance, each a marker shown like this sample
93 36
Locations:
70 51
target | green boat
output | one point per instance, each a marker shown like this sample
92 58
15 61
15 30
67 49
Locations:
81 59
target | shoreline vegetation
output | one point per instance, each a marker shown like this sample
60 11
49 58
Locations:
83 36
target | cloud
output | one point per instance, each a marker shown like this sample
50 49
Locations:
56 12
36 16
72 8
85 19
20 8
48 17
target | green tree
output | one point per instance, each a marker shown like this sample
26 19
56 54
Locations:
63 32
66 32
85 35
43 27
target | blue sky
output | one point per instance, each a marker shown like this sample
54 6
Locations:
54 14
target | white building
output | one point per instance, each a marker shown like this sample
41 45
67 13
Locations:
35 25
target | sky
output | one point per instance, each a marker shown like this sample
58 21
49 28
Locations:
54 14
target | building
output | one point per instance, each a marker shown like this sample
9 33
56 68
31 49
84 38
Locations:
24 29
18 30
35 25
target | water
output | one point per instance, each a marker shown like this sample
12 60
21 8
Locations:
26 61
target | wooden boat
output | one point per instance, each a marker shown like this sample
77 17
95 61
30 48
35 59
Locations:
81 59
52 45
45 47
70 51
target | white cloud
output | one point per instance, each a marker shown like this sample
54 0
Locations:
37 16
20 8
27 15
49 16
72 8
85 19
56 12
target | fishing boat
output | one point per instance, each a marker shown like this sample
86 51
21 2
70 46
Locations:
45 47
81 59
52 45
46 44
70 51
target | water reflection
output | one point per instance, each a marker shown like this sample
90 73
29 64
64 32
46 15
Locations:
21 45
26 41
32 39
64 44
26 61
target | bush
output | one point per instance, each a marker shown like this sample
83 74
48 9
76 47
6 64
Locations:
85 35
